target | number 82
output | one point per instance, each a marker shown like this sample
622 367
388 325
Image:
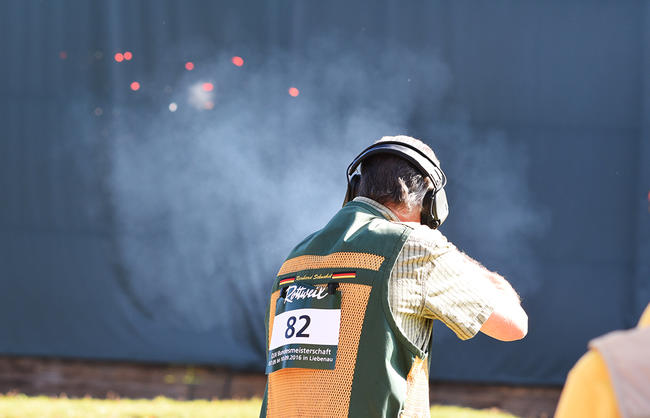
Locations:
291 322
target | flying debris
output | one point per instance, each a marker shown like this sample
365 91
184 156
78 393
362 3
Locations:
63 55
200 97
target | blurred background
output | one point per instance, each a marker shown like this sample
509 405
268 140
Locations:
159 159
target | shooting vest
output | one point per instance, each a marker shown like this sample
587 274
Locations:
334 347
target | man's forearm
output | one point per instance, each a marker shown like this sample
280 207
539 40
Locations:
508 321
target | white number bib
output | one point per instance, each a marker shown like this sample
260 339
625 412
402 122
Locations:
305 331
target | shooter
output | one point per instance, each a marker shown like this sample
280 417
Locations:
389 272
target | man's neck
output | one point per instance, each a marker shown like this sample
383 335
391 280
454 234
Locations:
404 213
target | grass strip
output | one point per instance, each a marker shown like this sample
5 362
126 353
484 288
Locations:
45 407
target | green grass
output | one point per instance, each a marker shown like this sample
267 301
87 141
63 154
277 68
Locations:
440 411
43 407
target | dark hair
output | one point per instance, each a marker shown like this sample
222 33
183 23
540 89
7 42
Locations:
387 178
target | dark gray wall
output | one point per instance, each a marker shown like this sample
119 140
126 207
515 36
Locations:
132 232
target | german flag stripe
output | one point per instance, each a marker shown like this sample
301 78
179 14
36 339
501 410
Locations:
287 281
348 275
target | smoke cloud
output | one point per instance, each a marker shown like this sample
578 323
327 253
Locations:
211 197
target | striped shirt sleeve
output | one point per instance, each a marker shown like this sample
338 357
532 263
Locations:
432 279
454 288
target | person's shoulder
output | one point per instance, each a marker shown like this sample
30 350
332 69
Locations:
422 235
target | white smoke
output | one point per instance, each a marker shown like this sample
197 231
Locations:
208 203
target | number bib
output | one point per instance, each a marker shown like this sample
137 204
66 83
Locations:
305 330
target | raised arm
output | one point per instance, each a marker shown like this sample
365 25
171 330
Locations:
508 321
462 293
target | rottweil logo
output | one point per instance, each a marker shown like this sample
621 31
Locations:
297 292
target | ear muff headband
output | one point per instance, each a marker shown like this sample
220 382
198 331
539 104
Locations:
434 208
408 152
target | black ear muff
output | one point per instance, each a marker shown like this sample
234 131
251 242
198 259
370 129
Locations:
440 206
353 188
434 208
427 216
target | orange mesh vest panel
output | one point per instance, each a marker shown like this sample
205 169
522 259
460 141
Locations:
375 371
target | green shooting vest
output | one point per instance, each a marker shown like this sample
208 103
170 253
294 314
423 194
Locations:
362 366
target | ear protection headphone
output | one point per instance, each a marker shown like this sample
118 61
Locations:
434 204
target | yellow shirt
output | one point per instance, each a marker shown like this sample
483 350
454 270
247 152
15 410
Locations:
588 391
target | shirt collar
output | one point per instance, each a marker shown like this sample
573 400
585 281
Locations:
386 213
